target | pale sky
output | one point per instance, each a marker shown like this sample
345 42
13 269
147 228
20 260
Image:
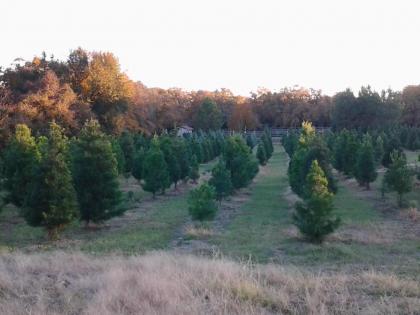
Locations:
236 44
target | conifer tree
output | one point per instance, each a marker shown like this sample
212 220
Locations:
119 155
95 175
314 217
166 144
221 181
127 146
310 147
392 145
240 162
20 158
194 169
138 164
365 172
398 177
379 149
201 203
52 202
156 175
261 154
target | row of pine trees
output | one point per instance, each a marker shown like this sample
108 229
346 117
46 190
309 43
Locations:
236 168
355 154
55 180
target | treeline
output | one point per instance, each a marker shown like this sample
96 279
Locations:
91 85
54 179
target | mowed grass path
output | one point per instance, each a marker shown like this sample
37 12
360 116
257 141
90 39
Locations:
255 230
263 230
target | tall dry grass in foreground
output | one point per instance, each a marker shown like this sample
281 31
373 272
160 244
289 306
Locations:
163 283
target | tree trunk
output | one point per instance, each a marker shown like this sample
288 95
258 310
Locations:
52 233
400 200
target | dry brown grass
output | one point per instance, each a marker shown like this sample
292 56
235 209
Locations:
198 231
412 214
163 283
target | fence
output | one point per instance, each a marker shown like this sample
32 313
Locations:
276 133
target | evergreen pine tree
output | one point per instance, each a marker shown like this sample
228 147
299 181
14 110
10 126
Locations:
183 157
156 175
309 148
201 203
398 177
166 144
138 164
95 175
365 171
194 169
20 158
314 217
119 155
127 146
52 202
379 149
392 145
240 162
261 154
266 145
221 181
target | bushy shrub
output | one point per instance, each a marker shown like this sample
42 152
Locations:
201 203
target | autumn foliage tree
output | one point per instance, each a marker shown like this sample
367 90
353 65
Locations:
108 90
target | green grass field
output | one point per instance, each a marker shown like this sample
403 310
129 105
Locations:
261 229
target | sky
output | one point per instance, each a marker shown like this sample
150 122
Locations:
236 44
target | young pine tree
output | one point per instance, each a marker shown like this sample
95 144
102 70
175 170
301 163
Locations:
166 144
365 170
314 217
20 158
221 181
156 175
137 169
52 202
398 177
261 154
379 149
119 155
127 146
240 162
201 203
194 169
95 175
